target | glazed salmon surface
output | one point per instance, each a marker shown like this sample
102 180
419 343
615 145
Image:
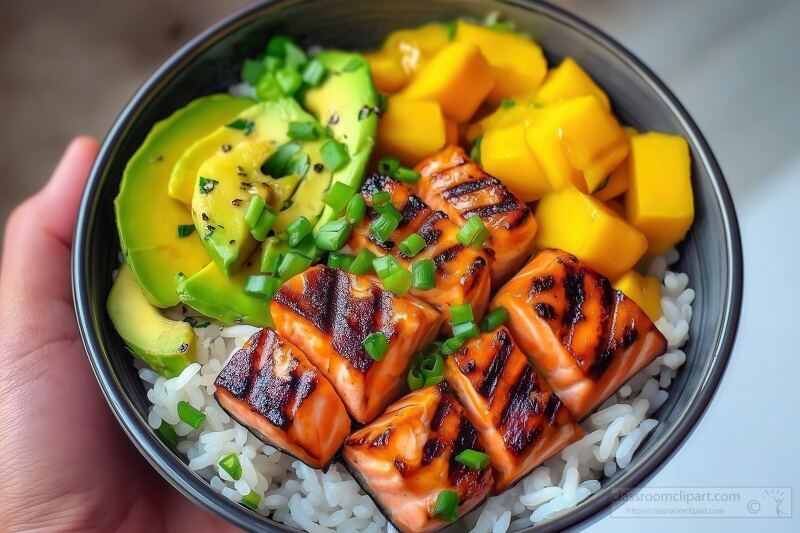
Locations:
462 273
328 313
583 336
519 420
270 387
453 183
405 458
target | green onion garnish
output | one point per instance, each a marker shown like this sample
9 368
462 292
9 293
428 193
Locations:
251 501
184 230
473 232
376 345
190 415
461 313
356 209
340 261
167 434
299 165
333 235
267 88
261 286
383 226
303 131
276 47
384 264
475 152
381 199
407 175
243 125
362 263
276 163
254 209
397 281
206 185
423 274
264 225
473 459
507 103
446 507
494 319
289 80
337 196
412 245
294 55
334 154
432 366
271 64
298 230
314 73
252 71
292 264
465 330
270 255
415 379
230 464
388 165
307 247
452 345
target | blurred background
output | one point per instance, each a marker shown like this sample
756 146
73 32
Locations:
69 67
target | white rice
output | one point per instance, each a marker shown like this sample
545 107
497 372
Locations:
299 496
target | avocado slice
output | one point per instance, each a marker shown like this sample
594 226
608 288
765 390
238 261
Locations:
147 219
348 103
167 346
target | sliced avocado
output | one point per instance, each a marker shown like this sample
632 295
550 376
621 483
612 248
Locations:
167 346
213 294
148 219
347 102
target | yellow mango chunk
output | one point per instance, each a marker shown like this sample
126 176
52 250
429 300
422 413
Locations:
513 111
659 201
411 130
387 73
644 290
543 140
458 78
568 81
618 179
518 62
581 225
506 155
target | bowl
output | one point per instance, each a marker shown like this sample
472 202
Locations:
711 254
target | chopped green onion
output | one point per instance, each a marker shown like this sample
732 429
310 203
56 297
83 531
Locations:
295 56
415 379
362 263
433 380
252 71
452 345
461 313
473 459
340 261
334 154
264 225
388 165
384 264
381 199
383 226
206 185
271 255
337 196
475 152
314 73
230 464
446 507
412 245
465 330
383 103
397 281
303 131
507 103
271 64
356 209
494 319
243 125
190 415
184 230
432 366
276 47
423 274
167 434
450 28
407 175
298 230
262 286
473 232
292 264
333 235
289 80
251 501
254 209
299 165
276 163
268 88
307 247
376 344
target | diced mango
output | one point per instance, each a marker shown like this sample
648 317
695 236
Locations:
451 131
659 201
644 290
618 179
506 155
458 78
543 140
568 81
514 111
518 62
581 225
411 129
387 73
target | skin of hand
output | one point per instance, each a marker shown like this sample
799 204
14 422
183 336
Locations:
67 465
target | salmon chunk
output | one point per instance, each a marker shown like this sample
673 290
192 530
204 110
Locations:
462 273
583 336
521 422
406 458
328 313
270 387
453 183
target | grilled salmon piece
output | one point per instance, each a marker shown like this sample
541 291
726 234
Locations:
462 273
520 421
453 183
270 387
405 458
583 336
328 313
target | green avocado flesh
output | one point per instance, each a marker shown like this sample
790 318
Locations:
148 219
167 346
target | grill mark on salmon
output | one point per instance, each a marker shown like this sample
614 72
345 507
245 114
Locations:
469 187
467 439
541 284
518 432
447 256
497 365
428 230
574 292
414 206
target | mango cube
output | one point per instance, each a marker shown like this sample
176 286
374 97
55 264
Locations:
543 140
568 81
515 111
458 78
387 73
617 182
506 155
411 130
659 201
644 290
518 62
581 225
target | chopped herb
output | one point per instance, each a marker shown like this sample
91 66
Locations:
207 185
231 465
294 56
354 64
167 434
289 80
334 154
536 105
192 321
252 500
303 131
314 73
376 344
276 47
276 163
268 88
473 459
507 103
333 235
494 319
446 507
190 415
383 103
450 28
338 196
242 124
475 152
299 164
362 263
184 230
252 71
473 232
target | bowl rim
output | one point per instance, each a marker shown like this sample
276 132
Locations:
175 471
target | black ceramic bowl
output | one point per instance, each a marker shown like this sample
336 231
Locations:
711 254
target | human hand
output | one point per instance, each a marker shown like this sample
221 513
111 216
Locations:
66 464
